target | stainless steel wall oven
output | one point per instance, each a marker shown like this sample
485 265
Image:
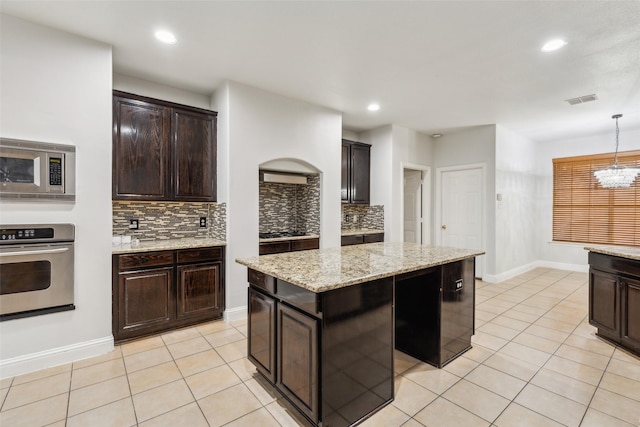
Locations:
36 269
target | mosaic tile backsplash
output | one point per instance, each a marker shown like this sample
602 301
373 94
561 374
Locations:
290 207
362 216
170 220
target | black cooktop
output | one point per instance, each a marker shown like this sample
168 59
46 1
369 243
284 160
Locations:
281 234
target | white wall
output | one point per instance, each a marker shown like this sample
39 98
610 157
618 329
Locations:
516 214
56 87
159 91
568 255
259 126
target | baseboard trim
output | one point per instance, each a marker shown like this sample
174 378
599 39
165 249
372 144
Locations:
496 278
581 268
233 314
55 356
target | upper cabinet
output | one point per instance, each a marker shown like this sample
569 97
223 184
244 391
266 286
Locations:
162 151
356 166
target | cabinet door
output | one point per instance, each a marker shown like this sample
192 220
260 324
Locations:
145 301
355 239
630 310
346 172
199 289
194 159
297 353
261 329
373 238
360 171
140 150
604 303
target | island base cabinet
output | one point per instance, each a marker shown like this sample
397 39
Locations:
630 327
262 334
604 303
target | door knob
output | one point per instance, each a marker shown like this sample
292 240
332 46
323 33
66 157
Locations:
444 227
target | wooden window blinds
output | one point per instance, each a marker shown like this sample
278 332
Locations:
585 212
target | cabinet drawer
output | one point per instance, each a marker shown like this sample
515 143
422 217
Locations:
351 240
262 281
274 248
301 245
373 238
199 254
147 259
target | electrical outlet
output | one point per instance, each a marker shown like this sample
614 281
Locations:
203 221
347 218
133 224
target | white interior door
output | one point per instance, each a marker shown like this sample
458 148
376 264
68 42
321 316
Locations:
412 206
461 210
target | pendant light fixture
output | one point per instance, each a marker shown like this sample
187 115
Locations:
616 176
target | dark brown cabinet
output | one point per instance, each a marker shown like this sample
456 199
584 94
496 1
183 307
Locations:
162 151
356 172
614 299
358 239
262 335
293 245
159 291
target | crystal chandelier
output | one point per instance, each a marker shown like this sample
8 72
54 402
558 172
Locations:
616 176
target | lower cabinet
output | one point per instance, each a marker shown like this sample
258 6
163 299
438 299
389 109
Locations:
614 299
158 291
293 245
262 333
358 239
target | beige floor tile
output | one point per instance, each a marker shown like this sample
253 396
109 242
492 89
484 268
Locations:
116 353
410 423
529 309
524 353
189 347
5 383
625 369
199 362
93 396
624 386
402 362
574 370
243 329
516 415
624 355
211 327
141 345
224 337
262 390
555 324
550 334
461 366
512 366
389 416
521 315
118 413
485 315
594 345
496 381
285 415
442 413
160 400
228 405
582 356
595 418
43 373
3 395
92 374
40 413
261 418
484 404
62 423
511 323
180 335
616 406
212 381
234 351
154 376
243 368
536 342
499 331
479 353
568 387
188 416
434 379
146 359
410 397
490 307
487 340
551 405
35 390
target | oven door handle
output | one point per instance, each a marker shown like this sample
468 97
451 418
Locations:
39 252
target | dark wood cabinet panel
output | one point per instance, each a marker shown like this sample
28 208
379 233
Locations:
261 330
297 353
280 246
604 301
162 150
630 324
194 155
356 172
199 289
373 238
358 239
304 244
145 259
141 133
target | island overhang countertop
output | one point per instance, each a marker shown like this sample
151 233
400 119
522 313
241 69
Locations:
321 270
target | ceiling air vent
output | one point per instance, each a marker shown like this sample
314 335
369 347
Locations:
582 99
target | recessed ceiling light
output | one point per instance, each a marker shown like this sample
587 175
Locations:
373 107
165 37
436 135
552 45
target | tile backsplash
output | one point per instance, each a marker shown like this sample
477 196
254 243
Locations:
290 207
355 217
170 220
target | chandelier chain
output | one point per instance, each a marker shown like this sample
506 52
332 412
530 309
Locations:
615 156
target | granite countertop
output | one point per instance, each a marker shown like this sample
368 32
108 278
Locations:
361 231
165 245
282 239
322 270
631 252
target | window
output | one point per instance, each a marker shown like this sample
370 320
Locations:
585 212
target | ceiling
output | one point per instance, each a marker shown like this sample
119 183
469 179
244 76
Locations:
432 66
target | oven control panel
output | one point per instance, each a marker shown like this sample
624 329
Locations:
25 233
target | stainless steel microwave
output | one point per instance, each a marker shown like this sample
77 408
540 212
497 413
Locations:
37 170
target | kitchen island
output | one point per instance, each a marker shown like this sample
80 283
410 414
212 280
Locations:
323 324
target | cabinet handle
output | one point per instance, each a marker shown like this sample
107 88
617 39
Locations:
444 227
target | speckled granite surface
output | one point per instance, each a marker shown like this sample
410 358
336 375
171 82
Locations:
280 239
322 270
620 251
165 245
360 231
